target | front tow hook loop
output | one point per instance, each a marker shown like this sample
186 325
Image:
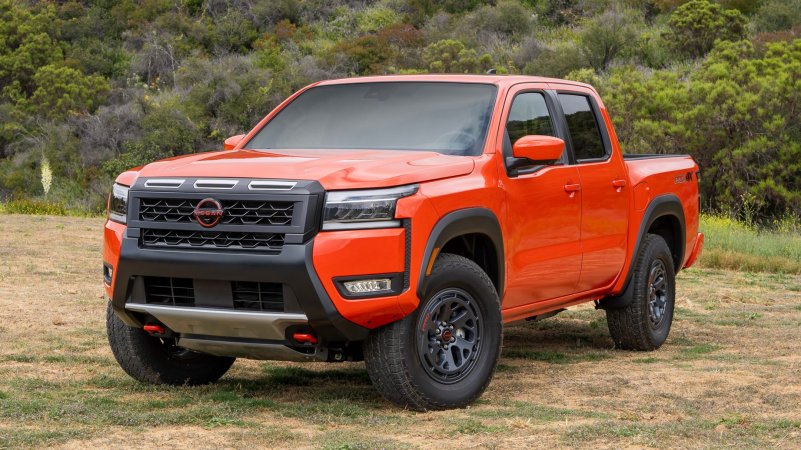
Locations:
304 338
154 329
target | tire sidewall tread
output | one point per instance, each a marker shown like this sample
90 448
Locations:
391 355
139 355
629 326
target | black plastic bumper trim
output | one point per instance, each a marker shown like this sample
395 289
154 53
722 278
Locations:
292 266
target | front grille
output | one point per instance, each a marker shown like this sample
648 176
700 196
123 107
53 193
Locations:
212 240
236 212
256 296
170 291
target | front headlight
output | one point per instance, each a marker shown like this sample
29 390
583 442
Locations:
370 208
118 203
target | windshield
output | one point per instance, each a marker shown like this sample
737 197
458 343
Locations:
450 118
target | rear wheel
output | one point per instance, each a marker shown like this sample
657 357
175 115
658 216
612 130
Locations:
444 354
644 324
158 360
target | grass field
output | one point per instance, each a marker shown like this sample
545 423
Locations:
733 245
727 377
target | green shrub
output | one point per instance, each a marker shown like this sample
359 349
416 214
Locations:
606 36
375 18
556 59
777 15
451 56
696 25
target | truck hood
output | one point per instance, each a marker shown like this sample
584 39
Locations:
334 169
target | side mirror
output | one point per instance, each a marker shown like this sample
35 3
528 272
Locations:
534 150
232 141
539 149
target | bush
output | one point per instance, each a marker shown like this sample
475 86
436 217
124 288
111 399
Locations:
451 56
556 59
696 25
777 15
606 36
375 18
63 91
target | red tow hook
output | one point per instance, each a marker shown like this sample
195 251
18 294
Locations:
304 338
154 329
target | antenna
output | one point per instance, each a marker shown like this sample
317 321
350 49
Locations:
492 71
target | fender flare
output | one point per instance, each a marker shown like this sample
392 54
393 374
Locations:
660 206
457 223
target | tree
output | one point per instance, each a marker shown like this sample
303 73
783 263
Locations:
25 46
604 37
696 25
64 91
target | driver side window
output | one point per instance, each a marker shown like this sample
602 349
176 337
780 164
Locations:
528 115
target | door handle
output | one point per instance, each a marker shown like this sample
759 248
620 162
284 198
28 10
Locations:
618 183
572 188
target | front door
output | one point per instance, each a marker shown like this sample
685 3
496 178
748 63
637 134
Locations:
544 209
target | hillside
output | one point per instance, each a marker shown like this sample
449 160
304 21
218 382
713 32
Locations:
89 88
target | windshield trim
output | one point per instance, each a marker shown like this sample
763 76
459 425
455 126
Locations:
259 127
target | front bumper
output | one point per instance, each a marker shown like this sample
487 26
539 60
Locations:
309 266
306 301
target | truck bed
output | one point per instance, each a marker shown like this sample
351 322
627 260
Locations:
634 156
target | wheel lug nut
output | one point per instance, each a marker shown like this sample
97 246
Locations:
438 331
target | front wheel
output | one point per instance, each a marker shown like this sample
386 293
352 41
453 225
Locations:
158 360
645 323
444 354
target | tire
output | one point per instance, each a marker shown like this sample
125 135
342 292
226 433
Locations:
645 323
399 356
158 361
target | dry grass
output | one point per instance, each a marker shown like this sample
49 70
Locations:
736 246
728 376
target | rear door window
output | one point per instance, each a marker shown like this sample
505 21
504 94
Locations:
582 123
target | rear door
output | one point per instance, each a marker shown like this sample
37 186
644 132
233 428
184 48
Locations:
543 205
605 197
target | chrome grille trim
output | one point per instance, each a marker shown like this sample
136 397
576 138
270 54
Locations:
164 183
271 185
215 184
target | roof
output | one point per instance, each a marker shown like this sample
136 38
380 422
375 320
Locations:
500 80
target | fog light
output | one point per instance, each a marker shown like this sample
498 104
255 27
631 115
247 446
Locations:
368 286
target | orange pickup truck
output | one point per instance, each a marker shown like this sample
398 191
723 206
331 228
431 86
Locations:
401 220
